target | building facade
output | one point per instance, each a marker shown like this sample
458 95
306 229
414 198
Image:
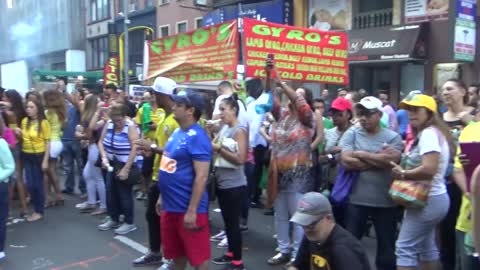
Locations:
40 41
400 45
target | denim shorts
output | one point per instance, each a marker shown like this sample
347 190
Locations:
416 241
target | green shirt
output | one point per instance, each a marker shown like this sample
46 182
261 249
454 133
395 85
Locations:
327 124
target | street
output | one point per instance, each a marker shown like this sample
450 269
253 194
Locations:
69 240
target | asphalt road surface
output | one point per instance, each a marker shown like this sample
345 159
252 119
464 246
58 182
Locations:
68 240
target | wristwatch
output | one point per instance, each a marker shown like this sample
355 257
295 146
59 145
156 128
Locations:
153 146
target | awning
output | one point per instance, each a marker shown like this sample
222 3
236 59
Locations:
89 77
402 43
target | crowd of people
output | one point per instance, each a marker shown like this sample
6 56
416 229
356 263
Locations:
328 169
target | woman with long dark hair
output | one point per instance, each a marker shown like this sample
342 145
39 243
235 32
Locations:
14 115
56 114
35 134
426 161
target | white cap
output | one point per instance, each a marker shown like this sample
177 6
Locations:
164 85
370 103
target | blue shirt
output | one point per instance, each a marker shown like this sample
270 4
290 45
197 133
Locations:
177 174
73 119
403 121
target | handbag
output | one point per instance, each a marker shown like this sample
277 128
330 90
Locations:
212 184
409 193
344 181
343 185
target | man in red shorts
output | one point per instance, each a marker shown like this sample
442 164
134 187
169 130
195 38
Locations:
183 176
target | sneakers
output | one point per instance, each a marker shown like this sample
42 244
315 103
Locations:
108 225
218 237
149 259
290 264
125 228
87 209
278 259
233 267
243 228
167 265
81 205
222 260
2 255
223 243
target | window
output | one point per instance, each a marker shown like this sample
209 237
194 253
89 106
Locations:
99 10
99 52
163 2
371 5
198 22
182 27
164 31
149 3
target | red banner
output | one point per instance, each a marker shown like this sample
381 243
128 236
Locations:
206 54
300 54
110 72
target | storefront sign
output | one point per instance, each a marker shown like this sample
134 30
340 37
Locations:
465 31
206 54
385 43
110 72
425 10
328 15
276 11
300 54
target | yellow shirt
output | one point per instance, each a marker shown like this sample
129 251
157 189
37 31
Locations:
33 141
155 116
470 133
55 126
165 128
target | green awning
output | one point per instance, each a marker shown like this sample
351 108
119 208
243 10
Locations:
90 77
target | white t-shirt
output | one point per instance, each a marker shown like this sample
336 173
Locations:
242 114
432 140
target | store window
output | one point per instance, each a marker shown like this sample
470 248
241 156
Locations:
98 52
99 10
198 22
182 27
372 5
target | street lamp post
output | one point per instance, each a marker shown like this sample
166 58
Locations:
126 66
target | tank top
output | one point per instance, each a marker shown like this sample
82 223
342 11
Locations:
227 177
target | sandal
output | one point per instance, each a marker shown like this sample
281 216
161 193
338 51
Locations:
34 217
49 204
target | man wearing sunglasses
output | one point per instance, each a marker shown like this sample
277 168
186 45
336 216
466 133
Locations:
368 148
325 245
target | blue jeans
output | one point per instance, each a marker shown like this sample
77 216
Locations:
385 224
120 199
72 155
3 214
34 178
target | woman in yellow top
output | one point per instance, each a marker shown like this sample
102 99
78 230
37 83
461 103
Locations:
35 133
56 116
14 115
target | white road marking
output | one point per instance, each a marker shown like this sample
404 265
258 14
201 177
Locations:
129 242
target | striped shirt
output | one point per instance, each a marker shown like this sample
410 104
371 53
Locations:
118 145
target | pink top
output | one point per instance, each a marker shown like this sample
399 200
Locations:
9 137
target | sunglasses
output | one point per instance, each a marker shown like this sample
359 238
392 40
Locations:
312 225
366 113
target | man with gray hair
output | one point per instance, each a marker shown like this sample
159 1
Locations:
326 245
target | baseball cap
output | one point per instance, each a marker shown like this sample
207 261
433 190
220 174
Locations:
341 104
311 207
190 98
419 100
164 85
370 103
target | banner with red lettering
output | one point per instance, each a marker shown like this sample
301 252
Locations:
110 71
206 54
300 54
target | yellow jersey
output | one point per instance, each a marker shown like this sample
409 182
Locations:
165 128
155 116
470 133
34 139
55 126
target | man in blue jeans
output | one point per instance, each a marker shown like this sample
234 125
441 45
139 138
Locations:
368 148
72 151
